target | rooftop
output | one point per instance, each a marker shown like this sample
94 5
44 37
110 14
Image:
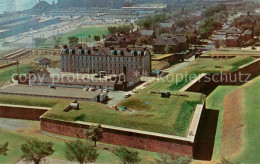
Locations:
104 51
70 93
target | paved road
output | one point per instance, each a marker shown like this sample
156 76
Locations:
119 96
180 66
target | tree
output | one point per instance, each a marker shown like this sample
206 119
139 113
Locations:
57 41
35 150
217 44
80 151
120 29
162 30
4 149
150 21
73 41
143 40
127 156
97 38
95 133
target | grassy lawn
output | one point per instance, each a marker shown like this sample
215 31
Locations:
84 33
81 33
179 79
232 52
26 65
215 101
160 65
164 111
172 115
106 155
205 65
6 73
251 149
250 100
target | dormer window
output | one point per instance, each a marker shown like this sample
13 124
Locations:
119 52
79 51
64 51
139 53
113 52
133 52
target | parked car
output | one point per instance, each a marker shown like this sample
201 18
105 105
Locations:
128 95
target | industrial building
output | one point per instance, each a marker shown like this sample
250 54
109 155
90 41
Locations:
54 92
24 25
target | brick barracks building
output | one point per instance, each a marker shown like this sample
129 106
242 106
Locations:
111 60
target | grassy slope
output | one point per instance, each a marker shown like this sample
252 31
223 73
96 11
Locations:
105 156
251 94
215 101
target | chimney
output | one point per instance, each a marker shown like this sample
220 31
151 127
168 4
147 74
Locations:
94 48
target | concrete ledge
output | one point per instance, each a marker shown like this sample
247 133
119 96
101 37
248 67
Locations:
195 123
24 106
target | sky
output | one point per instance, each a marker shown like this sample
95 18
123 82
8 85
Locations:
21 4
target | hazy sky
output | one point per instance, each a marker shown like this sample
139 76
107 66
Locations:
21 4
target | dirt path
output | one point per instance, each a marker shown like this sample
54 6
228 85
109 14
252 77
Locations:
232 127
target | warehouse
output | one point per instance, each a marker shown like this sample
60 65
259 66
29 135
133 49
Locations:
55 92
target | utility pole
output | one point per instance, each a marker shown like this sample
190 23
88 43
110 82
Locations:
17 68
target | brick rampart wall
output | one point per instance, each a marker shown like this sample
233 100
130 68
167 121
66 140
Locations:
119 137
21 112
209 82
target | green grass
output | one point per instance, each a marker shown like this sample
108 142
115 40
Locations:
215 101
160 116
151 112
182 123
209 65
251 113
106 155
232 52
251 145
84 33
182 81
155 116
7 73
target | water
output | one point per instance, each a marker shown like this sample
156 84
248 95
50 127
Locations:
21 4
